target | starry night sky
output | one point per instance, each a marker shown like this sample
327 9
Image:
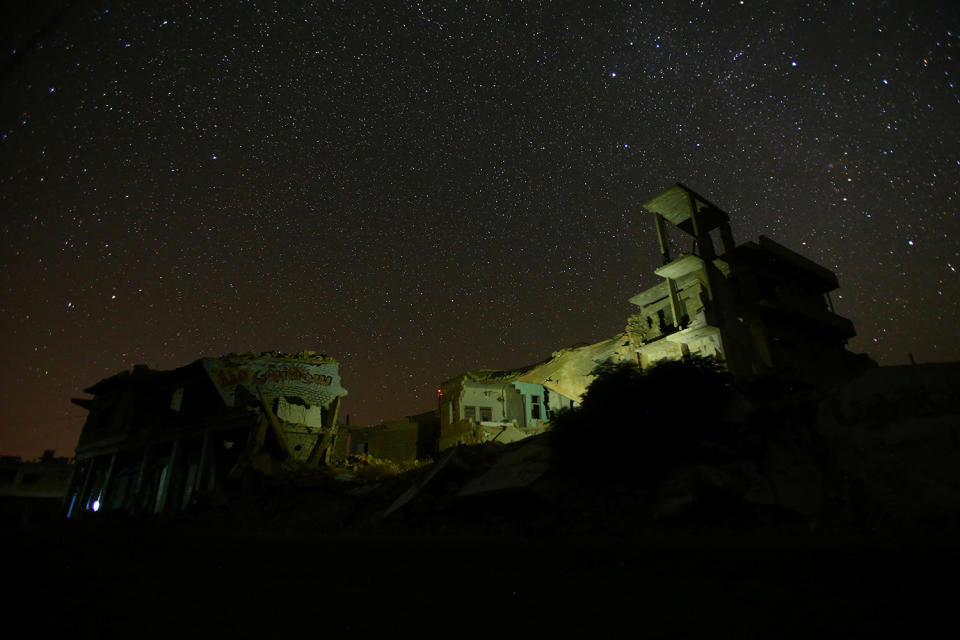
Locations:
423 188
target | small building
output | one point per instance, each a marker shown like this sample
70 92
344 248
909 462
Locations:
404 440
154 441
494 406
34 488
505 406
759 307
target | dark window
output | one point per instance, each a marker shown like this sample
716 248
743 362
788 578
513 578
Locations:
767 287
535 408
486 414
470 412
103 418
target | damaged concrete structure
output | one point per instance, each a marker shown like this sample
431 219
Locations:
506 406
156 440
494 406
404 440
759 307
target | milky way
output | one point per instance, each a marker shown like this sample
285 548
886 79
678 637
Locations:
425 190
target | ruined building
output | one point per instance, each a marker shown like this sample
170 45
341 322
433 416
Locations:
155 440
494 406
506 406
759 307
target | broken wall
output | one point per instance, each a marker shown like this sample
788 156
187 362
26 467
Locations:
315 383
486 402
568 372
395 440
409 438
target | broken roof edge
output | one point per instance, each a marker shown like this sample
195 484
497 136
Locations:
142 371
789 257
139 372
524 374
306 356
491 376
667 203
590 345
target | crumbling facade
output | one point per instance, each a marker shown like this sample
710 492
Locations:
494 406
506 406
759 307
157 440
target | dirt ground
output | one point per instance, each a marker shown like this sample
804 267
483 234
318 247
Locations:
126 580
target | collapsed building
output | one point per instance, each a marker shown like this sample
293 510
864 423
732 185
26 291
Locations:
156 440
759 307
494 406
506 406
487 405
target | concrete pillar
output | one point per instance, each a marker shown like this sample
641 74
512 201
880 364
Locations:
693 214
726 236
323 449
70 500
205 450
704 243
85 490
163 493
213 466
140 488
331 436
108 481
674 302
662 237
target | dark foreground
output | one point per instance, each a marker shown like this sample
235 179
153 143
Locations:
135 582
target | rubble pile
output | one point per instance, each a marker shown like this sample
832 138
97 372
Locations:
878 453
368 468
